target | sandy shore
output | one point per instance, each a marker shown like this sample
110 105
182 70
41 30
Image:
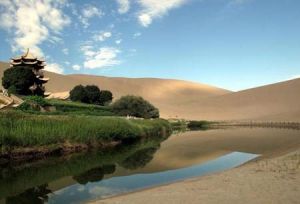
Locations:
269 180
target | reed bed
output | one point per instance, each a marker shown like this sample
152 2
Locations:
19 129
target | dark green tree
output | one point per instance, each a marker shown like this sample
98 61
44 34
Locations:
18 80
105 97
78 93
135 106
93 94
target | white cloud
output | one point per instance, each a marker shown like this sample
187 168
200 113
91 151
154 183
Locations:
102 36
89 12
152 9
32 22
136 35
76 67
238 2
145 19
118 42
103 57
124 6
65 51
56 68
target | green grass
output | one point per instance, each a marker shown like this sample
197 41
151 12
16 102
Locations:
76 108
29 130
61 107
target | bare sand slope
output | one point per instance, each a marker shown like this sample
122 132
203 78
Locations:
273 180
276 102
176 98
168 95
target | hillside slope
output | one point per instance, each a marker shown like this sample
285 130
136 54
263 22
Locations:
176 98
275 102
168 95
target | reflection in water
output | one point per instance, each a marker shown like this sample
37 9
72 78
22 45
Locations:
96 174
26 183
139 159
36 195
125 184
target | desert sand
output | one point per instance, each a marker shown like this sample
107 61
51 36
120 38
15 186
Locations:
273 180
189 100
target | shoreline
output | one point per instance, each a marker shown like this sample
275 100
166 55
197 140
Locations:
273 176
37 153
262 124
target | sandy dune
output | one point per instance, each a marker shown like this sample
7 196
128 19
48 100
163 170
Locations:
176 98
276 102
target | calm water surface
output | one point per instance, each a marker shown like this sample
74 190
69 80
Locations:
84 177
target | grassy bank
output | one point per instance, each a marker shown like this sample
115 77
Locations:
62 107
19 130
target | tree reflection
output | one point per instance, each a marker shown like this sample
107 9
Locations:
139 159
95 174
36 195
84 167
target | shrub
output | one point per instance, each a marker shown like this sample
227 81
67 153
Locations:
78 93
135 106
93 94
90 94
38 100
18 80
196 125
33 103
105 97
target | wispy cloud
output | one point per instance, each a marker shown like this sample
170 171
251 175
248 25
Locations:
54 67
33 22
102 36
118 42
152 9
76 67
124 6
88 12
234 3
136 35
103 57
65 51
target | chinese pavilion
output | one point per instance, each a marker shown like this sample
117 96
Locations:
29 61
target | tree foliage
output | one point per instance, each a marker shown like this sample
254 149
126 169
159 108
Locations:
93 94
135 106
18 80
90 94
106 97
78 93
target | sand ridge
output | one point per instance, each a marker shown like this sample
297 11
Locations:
189 100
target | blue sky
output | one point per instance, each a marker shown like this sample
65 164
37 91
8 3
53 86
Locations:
234 44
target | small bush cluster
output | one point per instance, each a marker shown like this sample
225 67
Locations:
196 125
33 103
90 94
135 106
